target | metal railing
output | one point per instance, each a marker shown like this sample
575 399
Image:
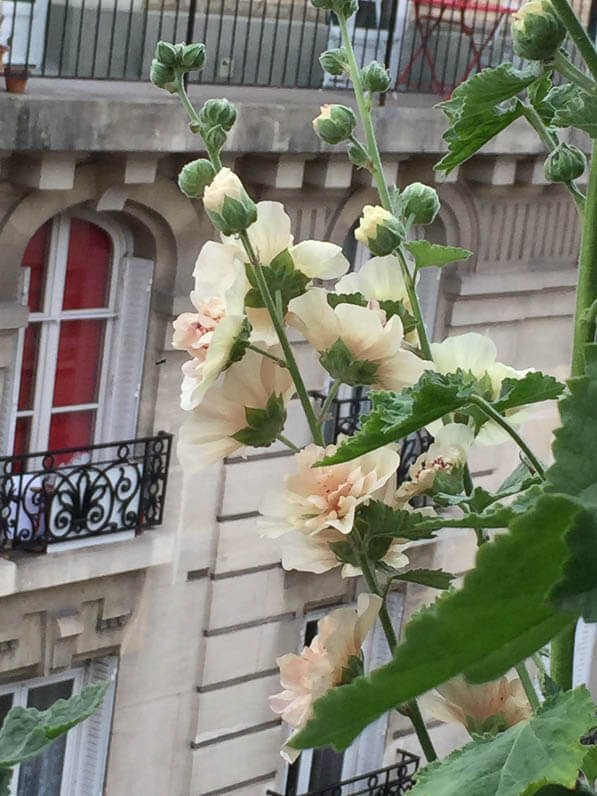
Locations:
391 781
428 45
77 493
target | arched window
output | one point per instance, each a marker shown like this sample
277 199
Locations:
77 282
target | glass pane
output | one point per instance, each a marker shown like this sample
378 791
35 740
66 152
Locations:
42 776
35 259
22 434
70 430
5 706
79 358
88 266
326 768
29 366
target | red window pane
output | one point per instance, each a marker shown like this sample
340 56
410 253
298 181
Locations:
79 359
71 429
29 366
22 433
35 259
88 266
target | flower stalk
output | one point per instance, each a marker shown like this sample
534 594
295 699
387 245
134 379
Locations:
527 684
577 32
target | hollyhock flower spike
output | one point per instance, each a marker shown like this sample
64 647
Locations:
320 666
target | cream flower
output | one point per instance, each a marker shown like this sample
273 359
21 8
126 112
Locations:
308 676
224 184
365 333
318 499
457 701
373 216
206 436
477 353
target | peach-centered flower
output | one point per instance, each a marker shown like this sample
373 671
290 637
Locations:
365 332
459 702
207 435
193 330
306 677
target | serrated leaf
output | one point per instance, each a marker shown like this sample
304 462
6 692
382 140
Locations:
589 763
500 610
531 388
576 591
346 298
544 748
427 254
493 85
340 363
282 277
27 731
520 478
434 578
263 425
345 552
376 518
579 110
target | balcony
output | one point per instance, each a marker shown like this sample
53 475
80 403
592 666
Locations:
391 781
429 45
63 496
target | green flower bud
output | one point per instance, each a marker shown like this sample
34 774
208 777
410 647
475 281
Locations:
345 8
536 30
217 112
334 62
379 230
162 76
358 155
335 123
214 138
195 177
166 53
375 77
227 203
420 201
192 57
194 127
565 163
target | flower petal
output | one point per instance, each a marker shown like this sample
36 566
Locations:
319 259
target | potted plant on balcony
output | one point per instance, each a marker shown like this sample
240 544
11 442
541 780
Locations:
16 76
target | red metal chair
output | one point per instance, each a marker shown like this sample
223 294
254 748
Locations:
427 23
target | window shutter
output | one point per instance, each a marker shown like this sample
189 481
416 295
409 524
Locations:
95 732
130 336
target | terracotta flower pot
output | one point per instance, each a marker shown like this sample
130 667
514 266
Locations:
15 77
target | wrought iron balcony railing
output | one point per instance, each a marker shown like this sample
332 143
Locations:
77 493
391 781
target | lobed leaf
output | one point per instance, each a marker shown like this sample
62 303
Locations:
263 425
427 254
578 109
281 276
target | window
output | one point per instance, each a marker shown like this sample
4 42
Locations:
74 765
87 301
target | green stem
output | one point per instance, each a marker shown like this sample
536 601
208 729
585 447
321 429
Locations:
415 305
551 141
586 292
578 34
282 337
575 75
501 421
329 398
281 362
414 714
562 656
365 114
527 684
289 443
214 154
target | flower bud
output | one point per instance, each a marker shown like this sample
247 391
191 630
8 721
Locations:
163 76
420 201
335 123
195 177
565 163
375 77
334 62
379 230
537 31
227 203
192 57
217 112
358 155
345 8
166 53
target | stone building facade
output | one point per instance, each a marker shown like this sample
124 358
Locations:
188 617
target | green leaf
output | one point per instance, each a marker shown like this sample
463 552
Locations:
27 731
589 763
434 578
263 425
240 344
574 471
578 110
494 85
531 388
345 552
426 253
544 748
398 308
281 276
5 780
378 519
341 364
346 298
520 478
500 610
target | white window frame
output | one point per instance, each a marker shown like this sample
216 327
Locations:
76 737
51 317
